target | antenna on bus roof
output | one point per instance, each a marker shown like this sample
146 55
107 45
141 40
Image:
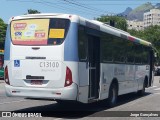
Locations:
111 23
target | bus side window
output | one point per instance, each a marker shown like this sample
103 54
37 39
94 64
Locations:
82 43
119 49
106 48
145 55
138 54
130 52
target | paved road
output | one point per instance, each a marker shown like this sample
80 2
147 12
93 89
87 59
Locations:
129 102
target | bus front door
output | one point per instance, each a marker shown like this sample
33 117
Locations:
94 66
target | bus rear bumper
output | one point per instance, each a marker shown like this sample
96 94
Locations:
66 93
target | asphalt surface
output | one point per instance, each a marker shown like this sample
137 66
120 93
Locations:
128 105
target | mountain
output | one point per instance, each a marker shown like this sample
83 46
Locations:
157 6
137 13
126 12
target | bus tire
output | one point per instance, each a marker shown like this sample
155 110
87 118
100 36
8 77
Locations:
113 95
142 92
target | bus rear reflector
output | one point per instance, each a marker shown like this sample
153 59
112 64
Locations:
68 80
6 77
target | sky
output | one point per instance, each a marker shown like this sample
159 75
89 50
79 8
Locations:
86 8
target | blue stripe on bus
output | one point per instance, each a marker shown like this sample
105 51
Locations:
71 44
7 44
137 41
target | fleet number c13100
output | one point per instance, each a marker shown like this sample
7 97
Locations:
47 64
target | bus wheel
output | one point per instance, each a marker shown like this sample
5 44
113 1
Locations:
141 92
113 94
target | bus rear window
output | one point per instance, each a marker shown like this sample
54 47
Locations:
39 31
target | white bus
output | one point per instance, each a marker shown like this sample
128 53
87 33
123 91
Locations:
66 57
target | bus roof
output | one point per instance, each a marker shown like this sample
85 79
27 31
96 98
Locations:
114 31
73 18
90 23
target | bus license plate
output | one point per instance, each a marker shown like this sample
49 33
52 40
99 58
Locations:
36 82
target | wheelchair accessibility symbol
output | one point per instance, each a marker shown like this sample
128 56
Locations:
16 63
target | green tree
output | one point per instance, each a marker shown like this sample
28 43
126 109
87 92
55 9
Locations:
3 28
139 34
119 22
152 34
32 11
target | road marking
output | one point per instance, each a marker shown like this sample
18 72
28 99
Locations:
151 87
13 102
58 119
157 89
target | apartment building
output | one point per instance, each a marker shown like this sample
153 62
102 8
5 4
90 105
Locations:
151 17
135 24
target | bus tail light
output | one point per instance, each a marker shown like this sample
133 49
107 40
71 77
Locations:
68 80
6 77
